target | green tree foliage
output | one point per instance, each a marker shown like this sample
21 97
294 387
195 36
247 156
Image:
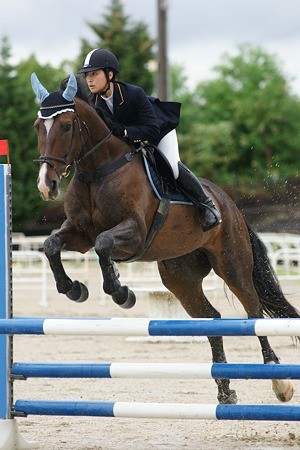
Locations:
18 113
207 150
130 42
242 125
249 114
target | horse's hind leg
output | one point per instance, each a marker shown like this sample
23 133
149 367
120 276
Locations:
283 389
68 239
183 277
238 277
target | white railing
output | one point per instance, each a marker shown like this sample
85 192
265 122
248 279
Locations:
279 241
284 253
30 266
286 263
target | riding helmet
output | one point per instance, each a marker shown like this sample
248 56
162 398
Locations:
100 59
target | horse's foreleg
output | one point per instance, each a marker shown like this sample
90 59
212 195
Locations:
74 290
124 238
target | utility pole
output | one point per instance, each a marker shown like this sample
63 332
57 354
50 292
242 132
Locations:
162 59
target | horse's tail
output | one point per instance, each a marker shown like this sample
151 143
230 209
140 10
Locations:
271 297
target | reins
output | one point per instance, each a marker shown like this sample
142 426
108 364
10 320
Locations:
92 150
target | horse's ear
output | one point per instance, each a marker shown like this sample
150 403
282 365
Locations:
71 89
38 89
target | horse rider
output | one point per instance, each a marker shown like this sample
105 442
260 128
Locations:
134 116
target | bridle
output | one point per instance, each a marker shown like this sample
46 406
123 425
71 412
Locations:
68 166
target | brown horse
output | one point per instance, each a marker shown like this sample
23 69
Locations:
110 205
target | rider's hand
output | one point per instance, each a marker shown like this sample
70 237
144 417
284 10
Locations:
116 128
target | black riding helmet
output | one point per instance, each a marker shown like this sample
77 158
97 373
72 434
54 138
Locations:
100 59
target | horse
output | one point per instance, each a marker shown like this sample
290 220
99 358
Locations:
110 206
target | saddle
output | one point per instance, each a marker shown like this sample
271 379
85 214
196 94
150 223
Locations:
161 178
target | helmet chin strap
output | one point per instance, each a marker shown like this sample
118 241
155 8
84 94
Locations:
105 90
108 81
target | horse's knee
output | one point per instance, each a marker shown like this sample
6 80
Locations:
104 244
52 245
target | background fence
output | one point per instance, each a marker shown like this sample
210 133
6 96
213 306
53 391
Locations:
30 266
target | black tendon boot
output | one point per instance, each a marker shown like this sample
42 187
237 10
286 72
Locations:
194 190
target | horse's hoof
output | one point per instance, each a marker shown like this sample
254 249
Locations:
79 292
230 399
283 389
124 297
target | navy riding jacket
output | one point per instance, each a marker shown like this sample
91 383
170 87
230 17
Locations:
145 118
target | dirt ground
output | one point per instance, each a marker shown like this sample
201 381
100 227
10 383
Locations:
80 433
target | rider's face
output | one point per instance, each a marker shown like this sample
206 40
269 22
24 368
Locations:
96 81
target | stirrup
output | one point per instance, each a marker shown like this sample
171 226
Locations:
213 225
214 211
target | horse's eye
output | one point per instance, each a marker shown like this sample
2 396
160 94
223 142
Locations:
67 127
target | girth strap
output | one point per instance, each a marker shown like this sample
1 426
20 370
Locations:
96 175
158 221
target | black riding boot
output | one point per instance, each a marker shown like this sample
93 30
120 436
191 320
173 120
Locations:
194 190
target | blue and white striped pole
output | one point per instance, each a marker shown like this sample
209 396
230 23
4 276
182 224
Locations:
202 371
158 410
151 327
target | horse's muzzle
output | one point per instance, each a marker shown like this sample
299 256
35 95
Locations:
48 184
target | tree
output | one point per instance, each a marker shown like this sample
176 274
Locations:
130 42
133 47
252 97
253 94
18 113
205 150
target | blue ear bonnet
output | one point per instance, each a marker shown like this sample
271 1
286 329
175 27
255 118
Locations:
55 102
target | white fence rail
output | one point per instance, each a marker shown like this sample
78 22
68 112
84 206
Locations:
284 253
30 266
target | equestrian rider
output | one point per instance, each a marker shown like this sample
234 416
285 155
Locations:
134 116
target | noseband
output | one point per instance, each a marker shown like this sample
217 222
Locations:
48 159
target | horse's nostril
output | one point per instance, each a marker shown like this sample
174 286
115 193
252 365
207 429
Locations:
53 185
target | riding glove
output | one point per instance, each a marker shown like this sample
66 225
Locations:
116 128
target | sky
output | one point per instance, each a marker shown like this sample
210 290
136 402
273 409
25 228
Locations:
199 32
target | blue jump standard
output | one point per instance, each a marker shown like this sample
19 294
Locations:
111 409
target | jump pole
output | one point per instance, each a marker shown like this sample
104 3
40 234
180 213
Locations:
10 437
202 371
151 327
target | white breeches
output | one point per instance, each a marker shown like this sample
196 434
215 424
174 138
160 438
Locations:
169 147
